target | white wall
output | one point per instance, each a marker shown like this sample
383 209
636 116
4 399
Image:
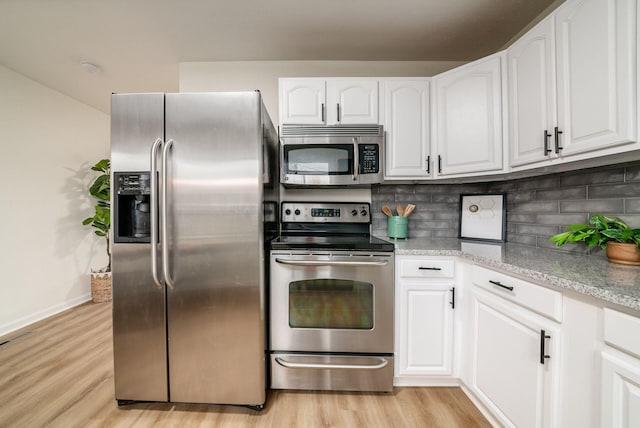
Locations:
263 75
48 142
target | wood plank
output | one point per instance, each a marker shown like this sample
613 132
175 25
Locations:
61 375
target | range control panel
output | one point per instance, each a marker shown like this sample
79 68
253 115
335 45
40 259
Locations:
326 212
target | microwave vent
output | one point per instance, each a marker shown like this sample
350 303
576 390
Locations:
331 130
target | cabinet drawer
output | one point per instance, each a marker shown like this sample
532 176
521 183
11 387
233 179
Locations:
535 297
426 268
622 331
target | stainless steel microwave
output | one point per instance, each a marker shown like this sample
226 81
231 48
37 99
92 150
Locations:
340 155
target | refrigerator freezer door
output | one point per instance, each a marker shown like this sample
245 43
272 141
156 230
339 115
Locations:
216 330
139 323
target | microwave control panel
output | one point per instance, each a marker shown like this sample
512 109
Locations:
369 156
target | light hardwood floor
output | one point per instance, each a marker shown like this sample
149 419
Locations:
59 373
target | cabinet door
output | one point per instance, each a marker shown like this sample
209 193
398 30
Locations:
406 122
352 101
425 342
468 128
302 101
532 95
620 391
508 374
596 53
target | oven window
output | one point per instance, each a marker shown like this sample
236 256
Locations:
319 159
331 303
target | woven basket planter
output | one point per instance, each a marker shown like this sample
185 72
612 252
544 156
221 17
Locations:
101 287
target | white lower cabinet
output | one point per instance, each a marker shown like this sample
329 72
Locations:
620 397
514 361
425 303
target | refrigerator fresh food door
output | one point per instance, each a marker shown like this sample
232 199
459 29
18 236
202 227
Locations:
213 230
139 323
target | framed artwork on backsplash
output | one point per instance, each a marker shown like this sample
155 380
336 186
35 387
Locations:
483 217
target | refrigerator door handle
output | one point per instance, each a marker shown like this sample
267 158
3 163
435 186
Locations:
154 211
164 235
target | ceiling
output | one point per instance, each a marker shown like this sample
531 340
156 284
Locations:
138 43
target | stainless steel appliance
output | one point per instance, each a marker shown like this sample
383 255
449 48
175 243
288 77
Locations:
195 193
340 155
331 299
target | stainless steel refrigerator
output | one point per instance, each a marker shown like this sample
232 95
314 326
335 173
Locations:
194 202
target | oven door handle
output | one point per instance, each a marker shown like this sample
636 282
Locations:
381 362
330 262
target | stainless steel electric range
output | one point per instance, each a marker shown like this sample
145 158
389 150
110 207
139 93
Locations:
331 300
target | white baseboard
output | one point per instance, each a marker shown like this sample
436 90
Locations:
480 406
45 313
414 381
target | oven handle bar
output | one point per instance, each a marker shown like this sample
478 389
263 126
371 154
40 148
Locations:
290 365
329 263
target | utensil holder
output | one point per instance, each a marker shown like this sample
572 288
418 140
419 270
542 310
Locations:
397 226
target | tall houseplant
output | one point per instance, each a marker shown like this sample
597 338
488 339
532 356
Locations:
622 243
100 189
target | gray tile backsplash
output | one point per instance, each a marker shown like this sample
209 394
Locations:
537 207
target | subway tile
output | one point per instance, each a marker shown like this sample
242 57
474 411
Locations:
522 239
410 197
386 189
537 206
431 188
632 206
514 197
452 215
560 194
537 229
631 219
521 218
628 190
561 219
592 206
418 234
431 224
451 198
445 233
592 176
632 173
544 182
436 206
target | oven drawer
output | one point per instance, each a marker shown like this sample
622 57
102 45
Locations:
426 268
332 372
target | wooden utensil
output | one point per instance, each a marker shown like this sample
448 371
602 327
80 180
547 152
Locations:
409 209
387 211
400 210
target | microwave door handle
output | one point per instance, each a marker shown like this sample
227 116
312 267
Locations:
356 160
154 212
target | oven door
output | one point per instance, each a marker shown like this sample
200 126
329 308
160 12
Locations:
332 302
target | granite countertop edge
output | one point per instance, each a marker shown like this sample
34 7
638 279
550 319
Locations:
610 291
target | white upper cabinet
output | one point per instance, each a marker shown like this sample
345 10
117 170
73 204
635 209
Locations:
587 50
532 95
316 101
596 53
352 101
303 101
405 116
468 118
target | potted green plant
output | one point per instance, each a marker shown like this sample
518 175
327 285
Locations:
100 189
621 242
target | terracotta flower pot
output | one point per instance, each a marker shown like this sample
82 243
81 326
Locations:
623 253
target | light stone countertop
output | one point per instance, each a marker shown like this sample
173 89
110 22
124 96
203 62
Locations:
588 275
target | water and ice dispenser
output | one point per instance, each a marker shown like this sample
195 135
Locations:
132 221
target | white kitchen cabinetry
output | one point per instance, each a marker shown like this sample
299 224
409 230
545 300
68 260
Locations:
515 354
425 303
588 50
467 125
532 95
405 116
317 101
621 371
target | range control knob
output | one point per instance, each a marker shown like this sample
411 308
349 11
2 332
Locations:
287 211
354 212
297 212
363 213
